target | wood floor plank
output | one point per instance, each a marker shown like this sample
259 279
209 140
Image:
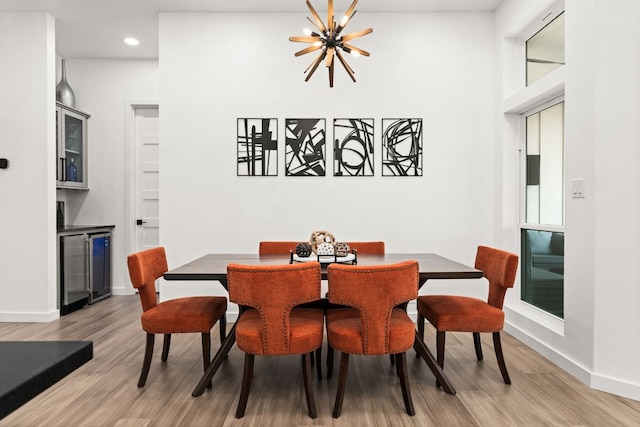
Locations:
104 391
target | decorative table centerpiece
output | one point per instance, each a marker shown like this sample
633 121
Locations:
322 247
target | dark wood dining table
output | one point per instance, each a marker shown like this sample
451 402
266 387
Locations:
214 267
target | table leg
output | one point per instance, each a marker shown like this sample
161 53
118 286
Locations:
216 362
421 348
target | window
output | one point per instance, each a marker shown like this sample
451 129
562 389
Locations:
545 166
542 238
543 270
545 50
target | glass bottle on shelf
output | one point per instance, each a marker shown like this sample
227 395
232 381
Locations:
72 171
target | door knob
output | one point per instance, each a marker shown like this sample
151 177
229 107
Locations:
140 222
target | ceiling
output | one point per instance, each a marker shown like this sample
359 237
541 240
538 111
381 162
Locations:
96 28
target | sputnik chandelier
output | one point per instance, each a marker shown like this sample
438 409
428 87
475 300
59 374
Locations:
330 42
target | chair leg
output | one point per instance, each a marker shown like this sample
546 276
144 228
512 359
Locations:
222 324
206 349
146 364
392 357
420 323
497 344
440 342
478 345
165 347
223 328
206 352
319 364
329 361
342 383
247 377
404 383
308 389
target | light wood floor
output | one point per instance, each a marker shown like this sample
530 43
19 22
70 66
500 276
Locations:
103 392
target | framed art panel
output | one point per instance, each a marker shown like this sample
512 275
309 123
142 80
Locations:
305 146
257 147
353 147
401 147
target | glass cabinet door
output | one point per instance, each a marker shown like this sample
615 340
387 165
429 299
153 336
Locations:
72 148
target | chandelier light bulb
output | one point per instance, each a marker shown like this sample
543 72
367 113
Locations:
307 32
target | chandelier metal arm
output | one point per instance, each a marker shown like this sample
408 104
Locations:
345 21
351 36
314 64
305 39
355 49
315 24
309 49
330 52
345 65
331 75
330 21
319 22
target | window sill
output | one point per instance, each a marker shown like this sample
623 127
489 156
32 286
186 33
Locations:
526 312
542 90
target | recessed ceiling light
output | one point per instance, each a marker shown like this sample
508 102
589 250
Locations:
131 41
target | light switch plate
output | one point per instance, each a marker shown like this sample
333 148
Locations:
577 188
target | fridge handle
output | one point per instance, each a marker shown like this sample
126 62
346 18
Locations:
89 268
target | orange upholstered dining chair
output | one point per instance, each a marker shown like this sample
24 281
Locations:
270 324
276 247
363 248
371 323
181 315
367 248
466 314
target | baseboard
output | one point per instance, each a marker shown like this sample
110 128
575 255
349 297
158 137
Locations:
121 291
18 317
592 379
616 386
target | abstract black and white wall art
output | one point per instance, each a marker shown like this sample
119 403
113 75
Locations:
353 147
305 147
401 147
257 147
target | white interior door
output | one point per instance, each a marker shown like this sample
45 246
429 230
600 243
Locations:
147 169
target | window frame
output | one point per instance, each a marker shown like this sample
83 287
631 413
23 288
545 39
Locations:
519 100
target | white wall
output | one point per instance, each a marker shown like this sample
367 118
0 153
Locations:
598 340
616 72
215 68
102 88
27 140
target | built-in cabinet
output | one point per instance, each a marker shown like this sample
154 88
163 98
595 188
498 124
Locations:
71 148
